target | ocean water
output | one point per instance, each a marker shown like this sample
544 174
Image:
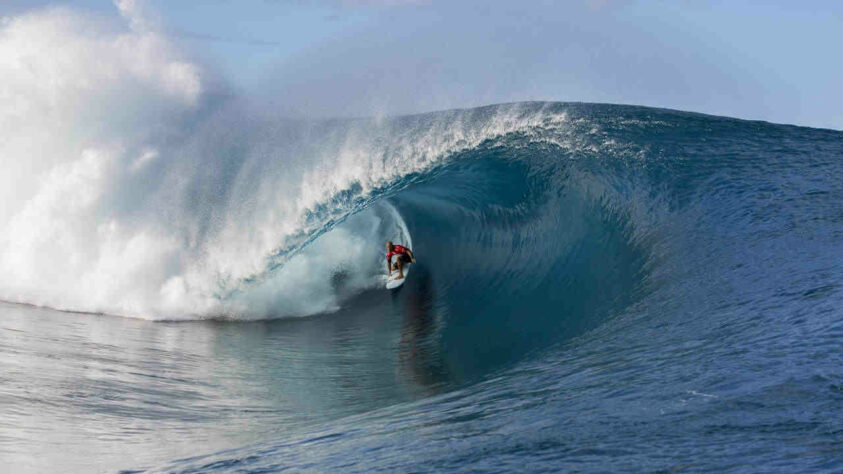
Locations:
191 283
599 288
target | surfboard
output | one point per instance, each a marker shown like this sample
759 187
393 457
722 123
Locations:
393 281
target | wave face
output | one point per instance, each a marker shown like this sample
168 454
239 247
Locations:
136 184
144 189
599 287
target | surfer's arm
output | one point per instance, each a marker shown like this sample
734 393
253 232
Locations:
412 257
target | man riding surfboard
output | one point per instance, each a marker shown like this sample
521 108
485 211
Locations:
396 257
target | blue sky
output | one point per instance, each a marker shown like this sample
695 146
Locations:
772 60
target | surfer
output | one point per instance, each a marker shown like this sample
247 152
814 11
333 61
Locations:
396 257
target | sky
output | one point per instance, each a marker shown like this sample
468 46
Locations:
764 60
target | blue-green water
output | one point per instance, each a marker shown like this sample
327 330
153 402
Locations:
599 288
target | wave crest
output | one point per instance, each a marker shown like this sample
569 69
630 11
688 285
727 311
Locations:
136 185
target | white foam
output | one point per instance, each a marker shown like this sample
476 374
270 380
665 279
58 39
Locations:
344 261
127 187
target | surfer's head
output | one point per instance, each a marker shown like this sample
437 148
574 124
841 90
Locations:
389 245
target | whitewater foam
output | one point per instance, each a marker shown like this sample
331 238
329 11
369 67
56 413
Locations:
131 187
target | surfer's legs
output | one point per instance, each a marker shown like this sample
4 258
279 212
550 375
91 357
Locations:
397 263
401 261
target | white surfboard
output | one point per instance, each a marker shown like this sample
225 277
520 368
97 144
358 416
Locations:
393 281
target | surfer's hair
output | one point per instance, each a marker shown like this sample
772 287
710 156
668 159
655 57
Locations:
389 242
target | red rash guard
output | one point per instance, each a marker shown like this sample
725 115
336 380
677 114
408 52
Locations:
396 250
